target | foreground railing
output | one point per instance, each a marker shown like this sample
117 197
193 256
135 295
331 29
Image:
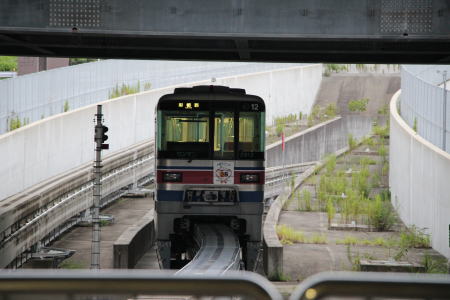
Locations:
141 284
343 285
58 285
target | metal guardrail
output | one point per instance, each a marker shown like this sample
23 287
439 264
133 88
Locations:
373 285
59 284
51 210
58 207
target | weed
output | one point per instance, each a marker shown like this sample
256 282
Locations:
348 240
382 151
381 131
317 239
331 211
385 169
415 124
287 235
351 141
330 163
365 161
66 106
435 264
147 86
125 89
14 123
279 276
414 238
358 105
380 214
331 110
384 110
304 200
70 264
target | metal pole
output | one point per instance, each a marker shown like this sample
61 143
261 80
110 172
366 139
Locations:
97 192
444 125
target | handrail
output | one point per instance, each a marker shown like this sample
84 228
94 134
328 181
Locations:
134 282
368 285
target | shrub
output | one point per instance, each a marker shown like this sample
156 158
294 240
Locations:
66 106
358 105
288 235
318 239
380 214
8 63
14 123
330 163
414 238
331 211
351 142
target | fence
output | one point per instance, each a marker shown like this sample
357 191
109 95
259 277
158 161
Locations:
32 97
422 102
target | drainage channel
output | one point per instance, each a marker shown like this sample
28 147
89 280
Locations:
219 251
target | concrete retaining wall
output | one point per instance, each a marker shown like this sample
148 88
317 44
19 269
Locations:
34 153
134 242
314 143
419 175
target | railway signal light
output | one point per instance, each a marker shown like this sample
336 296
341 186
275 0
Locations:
104 137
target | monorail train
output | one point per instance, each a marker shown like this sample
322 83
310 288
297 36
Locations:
210 143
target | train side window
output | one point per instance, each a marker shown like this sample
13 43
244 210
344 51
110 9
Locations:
251 135
223 135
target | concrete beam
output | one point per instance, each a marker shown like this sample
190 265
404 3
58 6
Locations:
252 30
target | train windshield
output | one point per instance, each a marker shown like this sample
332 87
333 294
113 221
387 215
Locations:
184 134
223 135
225 131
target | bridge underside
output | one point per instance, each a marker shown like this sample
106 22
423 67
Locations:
397 31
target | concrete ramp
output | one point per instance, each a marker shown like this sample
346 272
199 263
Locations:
342 88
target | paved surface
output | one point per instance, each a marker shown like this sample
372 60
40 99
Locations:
126 212
341 88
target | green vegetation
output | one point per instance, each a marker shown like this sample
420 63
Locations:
334 68
304 201
279 276
77 60
8 63
382 131
331 211
414 238
66 106
287 235
70 264
352 143
125 89
358 105
415 124
434 264
14 123
381 215
384 110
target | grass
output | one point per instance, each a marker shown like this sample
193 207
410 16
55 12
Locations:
279 276
287 235
433 264
70 264
124 89
304 201
354 241
414 237
352 142
359 105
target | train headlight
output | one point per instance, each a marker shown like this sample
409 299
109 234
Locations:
172 177
249 178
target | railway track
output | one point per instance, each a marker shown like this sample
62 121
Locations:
58 211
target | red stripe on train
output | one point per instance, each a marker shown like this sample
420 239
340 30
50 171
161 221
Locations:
206 177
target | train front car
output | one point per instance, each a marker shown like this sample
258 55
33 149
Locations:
210 168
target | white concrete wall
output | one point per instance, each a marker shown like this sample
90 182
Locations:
46 148
419 178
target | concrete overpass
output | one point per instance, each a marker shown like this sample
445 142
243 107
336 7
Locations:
390 31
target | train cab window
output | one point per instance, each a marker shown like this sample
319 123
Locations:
183 134
223 135
251 135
